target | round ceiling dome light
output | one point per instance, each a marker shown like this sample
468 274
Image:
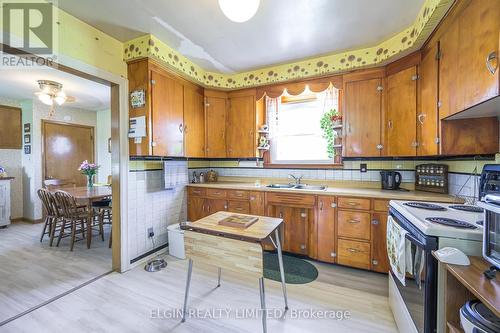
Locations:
239 10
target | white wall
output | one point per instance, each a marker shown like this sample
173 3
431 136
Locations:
103 156
33 163
11 160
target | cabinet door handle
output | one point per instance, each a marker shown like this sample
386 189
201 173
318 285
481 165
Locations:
492 56
375 262
252 198
350 203
389 124
181 128
353 221
421 118
321 205
375 222
352 250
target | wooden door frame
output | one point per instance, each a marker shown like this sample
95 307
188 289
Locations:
54 122
119 105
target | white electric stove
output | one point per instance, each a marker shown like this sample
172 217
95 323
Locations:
419 307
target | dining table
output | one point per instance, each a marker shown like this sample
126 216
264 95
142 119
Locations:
88 195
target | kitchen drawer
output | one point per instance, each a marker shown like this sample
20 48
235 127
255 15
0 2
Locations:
290 199
354 203
216 193
381 205
237 195
196 191
353 253
353 224
242 207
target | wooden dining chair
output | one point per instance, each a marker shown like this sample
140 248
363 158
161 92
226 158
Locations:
75 219
52 215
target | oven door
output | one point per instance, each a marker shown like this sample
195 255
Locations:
419 294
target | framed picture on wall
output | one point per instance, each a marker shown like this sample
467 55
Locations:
27 128
137 99
27 138
27 149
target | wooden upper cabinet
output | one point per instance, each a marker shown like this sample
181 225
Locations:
362 113
11 133
401 108
479 28
427 114
194 122
215 126
240 127
470 38
167 99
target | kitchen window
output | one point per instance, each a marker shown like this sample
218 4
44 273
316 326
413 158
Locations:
295 127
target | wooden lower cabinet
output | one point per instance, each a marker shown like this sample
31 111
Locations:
348 231
353 253
257 203
196 208
353 224
379 261
295 234
327 215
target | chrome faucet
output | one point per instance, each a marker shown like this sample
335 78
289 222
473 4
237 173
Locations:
297 179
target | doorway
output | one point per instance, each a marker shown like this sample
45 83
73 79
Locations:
65 146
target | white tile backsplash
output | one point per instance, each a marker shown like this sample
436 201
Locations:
151 205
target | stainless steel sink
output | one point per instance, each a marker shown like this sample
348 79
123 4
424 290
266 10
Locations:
280 186
299 187
310 187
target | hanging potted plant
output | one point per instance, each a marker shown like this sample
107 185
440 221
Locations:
89 170
328 120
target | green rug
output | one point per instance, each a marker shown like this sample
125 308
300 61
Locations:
297 271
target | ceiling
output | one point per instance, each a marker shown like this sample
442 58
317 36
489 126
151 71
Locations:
21 83
280 32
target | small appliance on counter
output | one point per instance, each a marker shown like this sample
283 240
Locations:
431 178
490 180
391 180
475 317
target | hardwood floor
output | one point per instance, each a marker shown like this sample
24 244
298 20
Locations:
32 272
126 302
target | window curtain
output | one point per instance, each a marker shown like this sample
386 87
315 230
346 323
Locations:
329 98
272 107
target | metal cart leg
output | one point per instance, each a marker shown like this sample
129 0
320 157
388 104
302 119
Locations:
186 294
218 277
263 304
282 270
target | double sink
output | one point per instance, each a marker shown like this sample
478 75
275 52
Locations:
299 187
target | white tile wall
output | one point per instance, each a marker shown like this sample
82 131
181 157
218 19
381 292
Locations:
463 185
459 184
151 205
320 174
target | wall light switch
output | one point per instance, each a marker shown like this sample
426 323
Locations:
363 167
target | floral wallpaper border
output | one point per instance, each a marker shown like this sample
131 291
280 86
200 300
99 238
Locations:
406 41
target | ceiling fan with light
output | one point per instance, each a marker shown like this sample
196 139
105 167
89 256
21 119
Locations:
51 93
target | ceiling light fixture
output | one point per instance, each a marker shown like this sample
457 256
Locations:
51 94
239 10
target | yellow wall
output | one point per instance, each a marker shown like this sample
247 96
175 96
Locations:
82 42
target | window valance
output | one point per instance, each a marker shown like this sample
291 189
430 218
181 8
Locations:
296 88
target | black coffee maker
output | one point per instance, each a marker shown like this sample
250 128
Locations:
390 180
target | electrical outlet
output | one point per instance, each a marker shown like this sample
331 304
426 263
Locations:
150 232
363 167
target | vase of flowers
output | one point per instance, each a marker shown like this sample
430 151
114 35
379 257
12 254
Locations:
89 170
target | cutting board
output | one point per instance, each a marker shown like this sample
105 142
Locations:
238 221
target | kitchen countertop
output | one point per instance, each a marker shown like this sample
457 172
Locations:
349 189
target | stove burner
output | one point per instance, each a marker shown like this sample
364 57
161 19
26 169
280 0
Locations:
467 208
480 222
451 222
424 205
